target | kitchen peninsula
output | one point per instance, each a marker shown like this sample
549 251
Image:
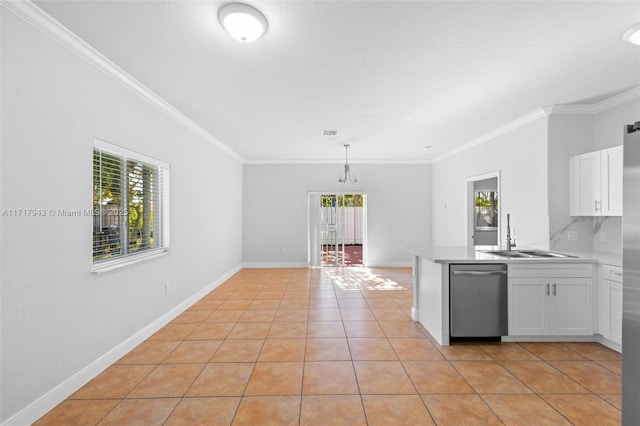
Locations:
549 297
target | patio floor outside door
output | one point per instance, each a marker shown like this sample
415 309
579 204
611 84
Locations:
337 230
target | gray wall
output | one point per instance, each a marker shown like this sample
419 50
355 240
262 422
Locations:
275 209
56 316
607 132
571 135
521 157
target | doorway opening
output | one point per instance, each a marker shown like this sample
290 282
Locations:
337 229
484 210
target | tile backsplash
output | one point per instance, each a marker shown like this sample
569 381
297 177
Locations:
586 234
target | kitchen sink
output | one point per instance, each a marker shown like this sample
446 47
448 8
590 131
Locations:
506 253
527 253
541 253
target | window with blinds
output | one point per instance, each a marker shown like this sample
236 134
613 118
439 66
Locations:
130 206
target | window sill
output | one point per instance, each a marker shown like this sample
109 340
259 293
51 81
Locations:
129 260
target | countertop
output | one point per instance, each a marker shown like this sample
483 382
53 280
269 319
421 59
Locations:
453 254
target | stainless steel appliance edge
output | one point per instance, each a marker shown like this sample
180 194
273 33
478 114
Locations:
631 277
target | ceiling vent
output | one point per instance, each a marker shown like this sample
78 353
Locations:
330 132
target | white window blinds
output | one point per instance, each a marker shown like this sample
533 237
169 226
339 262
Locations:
130 206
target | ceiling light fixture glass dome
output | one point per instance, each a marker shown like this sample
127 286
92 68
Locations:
245 23
633 35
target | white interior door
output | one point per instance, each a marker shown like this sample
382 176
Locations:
483 186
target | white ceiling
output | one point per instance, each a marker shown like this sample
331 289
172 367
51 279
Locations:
392 76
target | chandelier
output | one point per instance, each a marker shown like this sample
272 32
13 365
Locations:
347 169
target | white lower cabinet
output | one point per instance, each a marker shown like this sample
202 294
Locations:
550 300
610 304
615 302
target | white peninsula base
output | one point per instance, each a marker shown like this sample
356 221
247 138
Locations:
563 286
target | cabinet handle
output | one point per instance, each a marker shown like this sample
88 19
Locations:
554 289
546 289
596 202
617 274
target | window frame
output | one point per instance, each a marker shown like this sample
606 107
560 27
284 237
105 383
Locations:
493 199
162 170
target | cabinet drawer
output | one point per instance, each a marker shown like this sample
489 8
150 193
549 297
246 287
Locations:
579 270
612 273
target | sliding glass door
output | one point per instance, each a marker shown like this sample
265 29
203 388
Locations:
337 229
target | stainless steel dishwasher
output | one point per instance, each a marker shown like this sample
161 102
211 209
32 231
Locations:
478 300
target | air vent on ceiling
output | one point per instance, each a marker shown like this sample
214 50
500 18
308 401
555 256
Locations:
330 132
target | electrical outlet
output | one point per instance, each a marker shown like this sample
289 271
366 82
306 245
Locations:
166 287
572 236
602 236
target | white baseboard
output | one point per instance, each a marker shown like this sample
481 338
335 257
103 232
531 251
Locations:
609 343
408 264
55 396
588 338
274 265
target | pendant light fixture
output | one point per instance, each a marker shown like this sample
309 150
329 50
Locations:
245 23
347 168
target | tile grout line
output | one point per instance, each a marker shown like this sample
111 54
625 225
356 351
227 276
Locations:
304 360
320 286
244 390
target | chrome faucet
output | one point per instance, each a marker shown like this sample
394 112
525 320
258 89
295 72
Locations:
510 242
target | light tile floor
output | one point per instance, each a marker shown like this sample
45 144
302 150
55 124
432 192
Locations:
337 347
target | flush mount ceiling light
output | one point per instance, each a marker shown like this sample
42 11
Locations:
245 23
633 35
347 168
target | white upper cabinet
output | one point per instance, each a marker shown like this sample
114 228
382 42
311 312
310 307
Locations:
611 181
596 183
584 172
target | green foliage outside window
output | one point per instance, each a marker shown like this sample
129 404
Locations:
115 221
486 209
486 199
347 200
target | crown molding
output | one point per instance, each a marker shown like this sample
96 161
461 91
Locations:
575 109
41 20
509 127
612 102
37 17
334 162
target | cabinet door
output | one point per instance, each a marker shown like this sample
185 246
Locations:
570 307
615 309
585 185
603 308
611 181
528 306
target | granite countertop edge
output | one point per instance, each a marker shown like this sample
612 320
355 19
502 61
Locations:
453 254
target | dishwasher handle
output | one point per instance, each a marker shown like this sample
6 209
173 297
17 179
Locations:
479 272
